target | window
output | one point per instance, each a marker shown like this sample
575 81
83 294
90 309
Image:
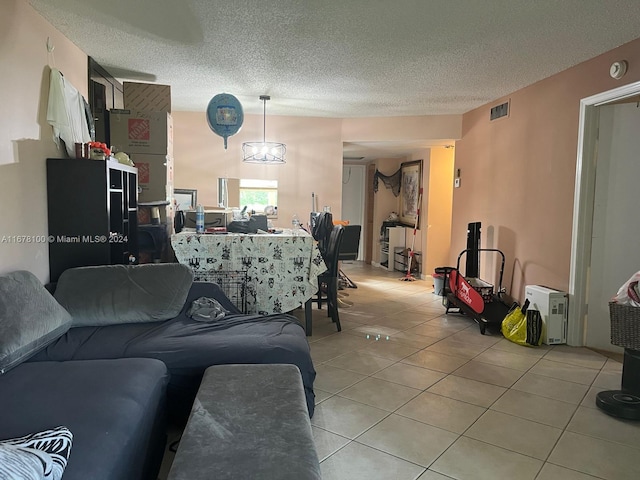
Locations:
259 196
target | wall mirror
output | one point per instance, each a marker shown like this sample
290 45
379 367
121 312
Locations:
185 199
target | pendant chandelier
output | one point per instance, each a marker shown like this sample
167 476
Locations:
264 152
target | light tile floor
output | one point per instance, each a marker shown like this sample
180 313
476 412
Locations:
407 392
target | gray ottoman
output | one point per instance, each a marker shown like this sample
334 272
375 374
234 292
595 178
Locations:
248 422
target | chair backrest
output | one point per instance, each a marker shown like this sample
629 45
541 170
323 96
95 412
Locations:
151 238
350 243
333 247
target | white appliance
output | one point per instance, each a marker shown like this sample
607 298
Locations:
552 305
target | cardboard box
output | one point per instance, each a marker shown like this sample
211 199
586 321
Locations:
141 132
147 97
212 218
552 305
155 177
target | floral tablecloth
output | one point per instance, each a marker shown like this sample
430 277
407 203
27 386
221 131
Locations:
281 269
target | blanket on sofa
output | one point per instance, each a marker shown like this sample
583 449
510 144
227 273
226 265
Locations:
189 346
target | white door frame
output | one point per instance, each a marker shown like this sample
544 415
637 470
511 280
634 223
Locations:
583 199
361 213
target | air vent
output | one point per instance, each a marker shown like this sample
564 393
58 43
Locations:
352 158
500 111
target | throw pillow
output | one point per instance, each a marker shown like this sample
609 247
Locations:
30 318
110 294
41 455
23 463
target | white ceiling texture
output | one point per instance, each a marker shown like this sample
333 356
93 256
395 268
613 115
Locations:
343 58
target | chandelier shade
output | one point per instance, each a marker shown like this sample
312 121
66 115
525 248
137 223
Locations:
266 153
263 152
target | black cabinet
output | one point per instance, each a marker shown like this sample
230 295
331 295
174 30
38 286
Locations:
93 214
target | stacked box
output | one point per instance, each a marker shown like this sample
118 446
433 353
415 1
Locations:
147 97
155 177
147 137
149 132
144 130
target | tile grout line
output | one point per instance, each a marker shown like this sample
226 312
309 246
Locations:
447 374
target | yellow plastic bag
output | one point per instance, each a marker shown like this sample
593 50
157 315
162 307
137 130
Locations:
523 326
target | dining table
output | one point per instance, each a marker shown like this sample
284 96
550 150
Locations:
279 270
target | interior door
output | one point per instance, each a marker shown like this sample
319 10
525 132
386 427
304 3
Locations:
98 103
615 238
105 93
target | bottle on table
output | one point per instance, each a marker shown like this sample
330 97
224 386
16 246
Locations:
199 219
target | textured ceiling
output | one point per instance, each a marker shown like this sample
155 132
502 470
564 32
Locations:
343 58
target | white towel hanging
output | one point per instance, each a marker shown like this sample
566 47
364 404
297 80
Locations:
66 113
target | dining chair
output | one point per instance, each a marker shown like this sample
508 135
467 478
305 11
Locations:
321 228
328 281
349 250
152 241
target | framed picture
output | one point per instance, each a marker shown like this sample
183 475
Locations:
410 185
185 199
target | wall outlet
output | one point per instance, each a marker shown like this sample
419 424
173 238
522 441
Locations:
456 183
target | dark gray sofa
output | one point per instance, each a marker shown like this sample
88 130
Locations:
185 345
112 412
115 410
126 357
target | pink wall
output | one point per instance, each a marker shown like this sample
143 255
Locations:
314 160
518 172
25 137
394 129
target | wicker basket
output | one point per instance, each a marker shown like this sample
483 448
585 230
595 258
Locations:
625 325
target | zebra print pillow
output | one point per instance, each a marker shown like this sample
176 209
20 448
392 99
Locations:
23 463
41 455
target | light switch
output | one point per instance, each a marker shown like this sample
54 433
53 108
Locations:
456 183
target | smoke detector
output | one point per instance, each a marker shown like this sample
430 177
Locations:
618 69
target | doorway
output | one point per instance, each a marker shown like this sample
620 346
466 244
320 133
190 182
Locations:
592 272
353 197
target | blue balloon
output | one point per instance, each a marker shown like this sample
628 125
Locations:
225 116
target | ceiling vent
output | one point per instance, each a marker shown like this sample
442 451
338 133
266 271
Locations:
352 158
500 111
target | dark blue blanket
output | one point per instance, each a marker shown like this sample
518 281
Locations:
188 346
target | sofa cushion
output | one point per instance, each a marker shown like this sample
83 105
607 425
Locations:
115 409
48 451
109 294
30 318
